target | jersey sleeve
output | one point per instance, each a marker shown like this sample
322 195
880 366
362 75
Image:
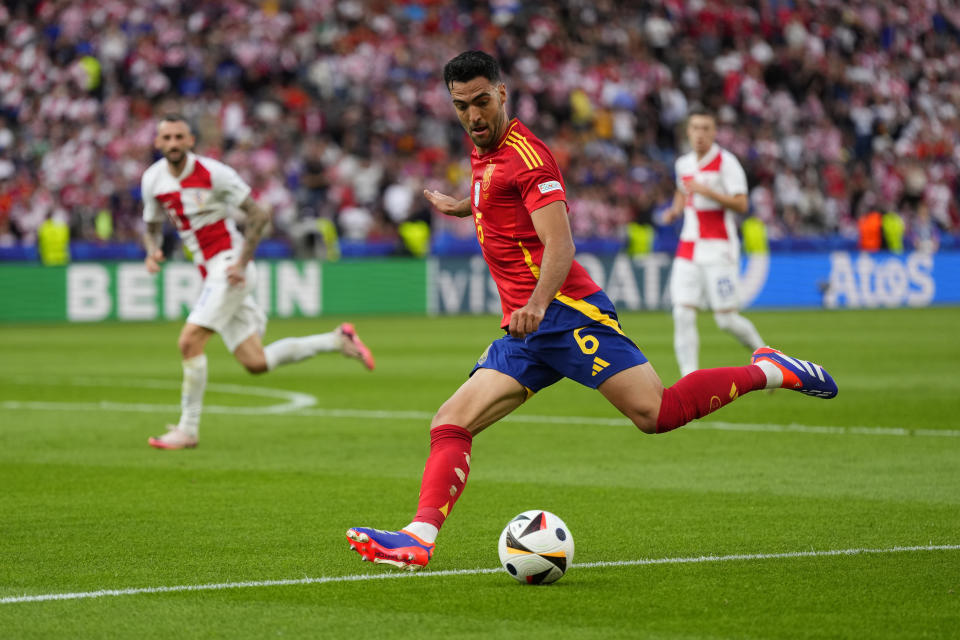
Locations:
734 178
151 208
228 186
538 177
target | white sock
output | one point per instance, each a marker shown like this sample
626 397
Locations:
423 530
289 350
191 393
774 375
686 340
741 328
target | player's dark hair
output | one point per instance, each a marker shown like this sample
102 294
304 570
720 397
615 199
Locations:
701 111
178 117
469 65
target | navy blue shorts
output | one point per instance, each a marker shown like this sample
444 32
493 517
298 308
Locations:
589 352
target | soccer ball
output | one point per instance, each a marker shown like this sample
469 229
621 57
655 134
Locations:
536 547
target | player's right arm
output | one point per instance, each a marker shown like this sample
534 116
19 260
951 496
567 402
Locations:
679 197
153 230
676 207
448 205
152 237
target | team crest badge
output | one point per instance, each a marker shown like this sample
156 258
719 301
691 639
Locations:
488 176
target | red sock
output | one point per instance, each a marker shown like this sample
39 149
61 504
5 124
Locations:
445 473
701 392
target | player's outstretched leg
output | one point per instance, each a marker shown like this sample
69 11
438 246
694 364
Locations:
786 372
444 478
289 350
707 390
398 548
353 346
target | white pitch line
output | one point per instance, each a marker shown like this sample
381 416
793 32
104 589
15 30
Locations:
294 400
139 407
806 428
623 422
300 405
303 404
740 557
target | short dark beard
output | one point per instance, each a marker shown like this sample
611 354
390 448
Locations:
177 165
494 133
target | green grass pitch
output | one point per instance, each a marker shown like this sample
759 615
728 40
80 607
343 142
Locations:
87 508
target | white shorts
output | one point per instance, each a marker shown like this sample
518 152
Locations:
231 311
712 286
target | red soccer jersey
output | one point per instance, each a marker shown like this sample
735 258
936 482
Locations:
509 183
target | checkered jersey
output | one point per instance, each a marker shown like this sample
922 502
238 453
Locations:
198 202
709 232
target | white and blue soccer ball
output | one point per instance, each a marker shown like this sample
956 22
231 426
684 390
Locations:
536 547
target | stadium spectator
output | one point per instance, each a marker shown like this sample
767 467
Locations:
923 233
820 91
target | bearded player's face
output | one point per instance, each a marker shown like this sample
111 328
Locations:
174 140
481 108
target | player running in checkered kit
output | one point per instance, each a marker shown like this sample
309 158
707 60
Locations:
197 194
711 191
558 322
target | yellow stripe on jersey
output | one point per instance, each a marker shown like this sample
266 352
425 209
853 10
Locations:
509 131
526 160
584 307
522 141
591 311
534 268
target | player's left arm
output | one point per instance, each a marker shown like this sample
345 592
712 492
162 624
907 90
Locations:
553 228
736 201
734 181
256 222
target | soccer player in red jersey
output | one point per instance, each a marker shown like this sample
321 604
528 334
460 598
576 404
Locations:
558 321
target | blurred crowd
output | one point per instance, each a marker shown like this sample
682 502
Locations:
334 110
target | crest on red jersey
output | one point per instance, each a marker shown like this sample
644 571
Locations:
488 175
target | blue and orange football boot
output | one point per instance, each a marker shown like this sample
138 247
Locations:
398 548
798 375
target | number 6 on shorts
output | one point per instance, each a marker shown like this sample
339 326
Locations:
588 344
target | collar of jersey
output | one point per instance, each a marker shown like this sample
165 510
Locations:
188 166
510 128
503 139
708 156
